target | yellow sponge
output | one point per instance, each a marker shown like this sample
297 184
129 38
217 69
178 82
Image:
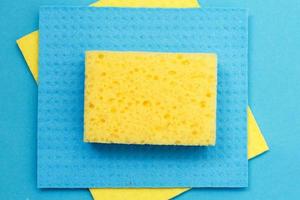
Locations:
150 98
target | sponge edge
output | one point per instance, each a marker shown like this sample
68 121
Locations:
150 98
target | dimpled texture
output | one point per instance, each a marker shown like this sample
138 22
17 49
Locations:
150 98
65 161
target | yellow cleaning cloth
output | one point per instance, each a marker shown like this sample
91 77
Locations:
256 142
29 47
150 98
137 194
148 3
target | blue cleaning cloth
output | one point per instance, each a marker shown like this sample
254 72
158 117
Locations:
65 161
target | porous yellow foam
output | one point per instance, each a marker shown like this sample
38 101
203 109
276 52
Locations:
150 98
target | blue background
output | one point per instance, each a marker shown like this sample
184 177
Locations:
274 81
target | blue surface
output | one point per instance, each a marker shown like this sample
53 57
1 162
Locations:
65 161
274 69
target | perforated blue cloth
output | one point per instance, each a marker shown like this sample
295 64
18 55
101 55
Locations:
65 161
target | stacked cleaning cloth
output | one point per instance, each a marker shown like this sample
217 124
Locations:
143 98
